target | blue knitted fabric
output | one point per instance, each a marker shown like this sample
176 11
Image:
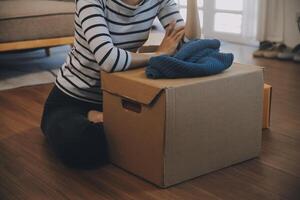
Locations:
196 58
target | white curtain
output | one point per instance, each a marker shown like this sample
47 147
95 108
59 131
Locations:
250 15
271 20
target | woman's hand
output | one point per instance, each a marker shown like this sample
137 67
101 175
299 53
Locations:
171 40
167 47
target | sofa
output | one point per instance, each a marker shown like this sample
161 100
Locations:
30 24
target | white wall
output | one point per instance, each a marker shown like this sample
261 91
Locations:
291 33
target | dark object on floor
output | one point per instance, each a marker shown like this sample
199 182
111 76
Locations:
195 59
263 46
296 52
78 142
275 50
269 49
290 54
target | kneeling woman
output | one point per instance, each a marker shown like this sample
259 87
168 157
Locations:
107 36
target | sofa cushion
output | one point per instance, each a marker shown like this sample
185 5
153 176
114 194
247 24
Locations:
35 19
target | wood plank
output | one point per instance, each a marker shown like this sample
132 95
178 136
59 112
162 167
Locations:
31 44
267 105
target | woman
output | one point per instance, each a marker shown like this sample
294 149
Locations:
107 36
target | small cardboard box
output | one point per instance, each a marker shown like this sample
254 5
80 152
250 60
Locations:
267 106
169 131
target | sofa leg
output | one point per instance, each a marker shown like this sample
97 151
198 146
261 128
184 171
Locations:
47 50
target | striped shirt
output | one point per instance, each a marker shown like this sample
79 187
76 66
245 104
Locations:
106 31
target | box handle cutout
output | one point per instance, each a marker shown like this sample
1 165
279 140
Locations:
132 105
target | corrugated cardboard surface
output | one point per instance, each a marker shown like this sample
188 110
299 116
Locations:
185 127
136 140
212 125
127 86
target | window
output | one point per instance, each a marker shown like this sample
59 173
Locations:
221 25
230 20
228 11
231 5
183 5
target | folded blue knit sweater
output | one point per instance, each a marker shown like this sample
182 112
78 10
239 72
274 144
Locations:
195 58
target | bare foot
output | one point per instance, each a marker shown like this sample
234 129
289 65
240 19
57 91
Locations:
95 116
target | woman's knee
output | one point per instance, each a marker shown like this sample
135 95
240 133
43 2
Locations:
78 142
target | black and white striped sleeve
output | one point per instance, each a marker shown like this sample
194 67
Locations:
95 29
169 11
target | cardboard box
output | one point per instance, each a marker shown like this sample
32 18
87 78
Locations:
169 131
267 106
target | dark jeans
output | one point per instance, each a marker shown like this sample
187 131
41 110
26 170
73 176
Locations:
76 141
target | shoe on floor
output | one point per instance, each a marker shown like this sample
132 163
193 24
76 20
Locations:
264 45
297 58
275 50
288 53
296 50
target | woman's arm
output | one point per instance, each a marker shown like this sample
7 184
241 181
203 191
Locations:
172 38
192 27
169 11
170 18
91 17
109 57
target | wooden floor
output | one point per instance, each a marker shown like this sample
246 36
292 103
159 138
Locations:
29 170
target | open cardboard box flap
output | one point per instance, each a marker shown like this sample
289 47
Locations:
134 85
130 86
